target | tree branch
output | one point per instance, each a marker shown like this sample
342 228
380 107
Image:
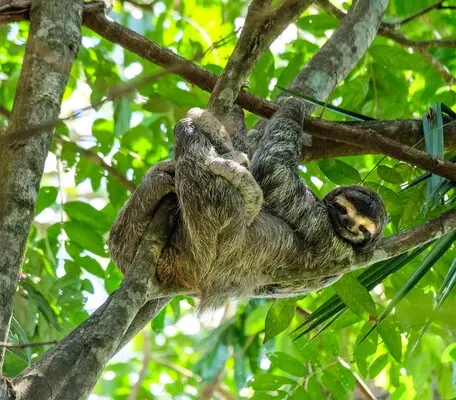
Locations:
388 31
408 240
342 51
52 45
262 26
418 14
97 160
89 347
381 144
408 132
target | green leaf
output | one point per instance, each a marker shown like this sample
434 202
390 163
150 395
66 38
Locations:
314 389
445 289
287 363
449 354
279 317
91 265
389 174
212 362
87 286
321 22
85 237
102 131
339 172
378 365
266 382
355 296
17 330
391 336
255 320
441 246
365 348
122 115
46 197
158 323
433 138
300 394
87 214
337 391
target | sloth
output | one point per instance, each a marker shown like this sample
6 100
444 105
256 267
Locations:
239 223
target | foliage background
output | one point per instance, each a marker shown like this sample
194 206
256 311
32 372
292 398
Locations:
67 272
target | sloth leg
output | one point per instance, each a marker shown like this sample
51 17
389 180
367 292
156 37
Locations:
133 219
242 180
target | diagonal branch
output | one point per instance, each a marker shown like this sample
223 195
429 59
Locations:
435 6
408 240
90 346
263 25
388 31
381 144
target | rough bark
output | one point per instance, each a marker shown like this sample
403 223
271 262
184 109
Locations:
52 45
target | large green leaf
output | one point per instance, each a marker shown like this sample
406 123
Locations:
279 317
339 172
355 296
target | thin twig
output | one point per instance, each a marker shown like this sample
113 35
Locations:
91 155
97 160
145 365
418 14
25 345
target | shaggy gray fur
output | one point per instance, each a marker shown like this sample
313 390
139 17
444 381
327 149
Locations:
228 243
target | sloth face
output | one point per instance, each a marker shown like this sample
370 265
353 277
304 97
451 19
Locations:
357 214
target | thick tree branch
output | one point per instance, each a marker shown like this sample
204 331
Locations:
343 50
408 240
52 45
383 145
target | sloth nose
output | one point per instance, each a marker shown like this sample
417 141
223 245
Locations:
347 222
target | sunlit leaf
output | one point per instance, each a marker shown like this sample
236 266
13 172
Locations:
279 317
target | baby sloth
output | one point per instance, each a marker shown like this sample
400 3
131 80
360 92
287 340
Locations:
240 229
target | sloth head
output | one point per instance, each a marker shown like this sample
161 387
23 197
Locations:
357 214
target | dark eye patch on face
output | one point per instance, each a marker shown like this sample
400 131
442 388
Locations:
363 204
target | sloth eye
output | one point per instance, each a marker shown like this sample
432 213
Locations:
363 229
342 210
